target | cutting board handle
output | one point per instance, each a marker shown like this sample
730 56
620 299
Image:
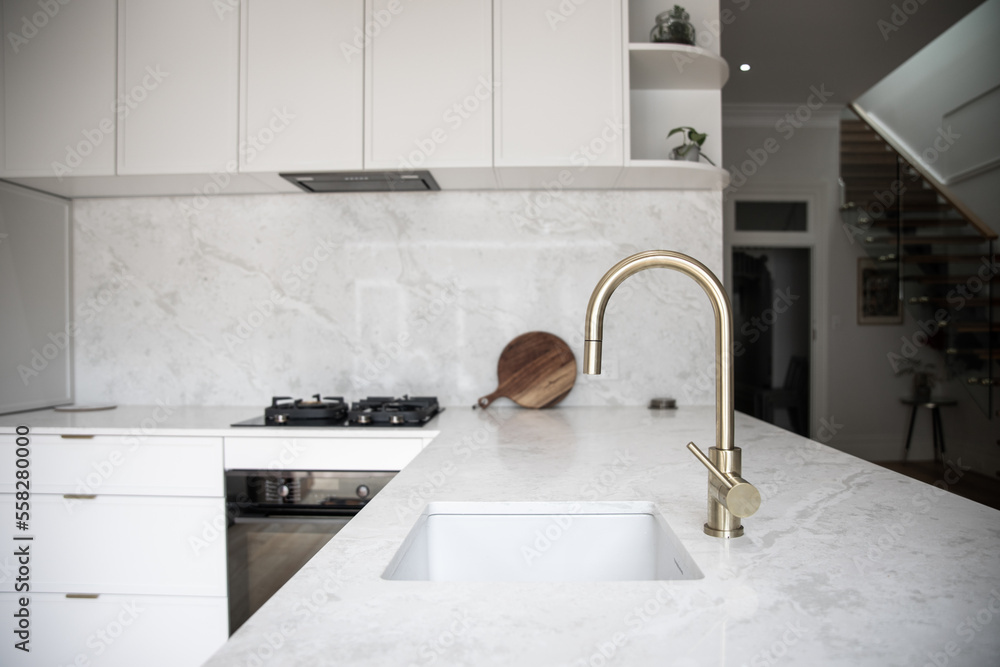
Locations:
485 401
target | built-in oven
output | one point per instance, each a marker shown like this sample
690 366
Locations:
278 520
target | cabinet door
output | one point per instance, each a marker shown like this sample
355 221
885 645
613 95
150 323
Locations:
58 88
429 87
303 77
178 80
560 94
122 544
117 630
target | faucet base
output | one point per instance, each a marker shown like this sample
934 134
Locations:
713 532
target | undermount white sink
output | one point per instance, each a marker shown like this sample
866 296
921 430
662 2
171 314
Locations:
554 541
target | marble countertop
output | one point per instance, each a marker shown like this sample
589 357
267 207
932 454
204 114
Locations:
846 563
167 420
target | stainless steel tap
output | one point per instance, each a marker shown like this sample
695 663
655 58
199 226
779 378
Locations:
730 497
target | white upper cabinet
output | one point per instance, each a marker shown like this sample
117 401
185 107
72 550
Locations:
558 66
302 85
58 88
429 84
178 76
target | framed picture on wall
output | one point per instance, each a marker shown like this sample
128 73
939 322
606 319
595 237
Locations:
878 293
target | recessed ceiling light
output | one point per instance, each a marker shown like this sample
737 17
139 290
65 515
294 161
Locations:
744 67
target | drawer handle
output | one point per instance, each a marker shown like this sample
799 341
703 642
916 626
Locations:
77 437
83 596
79 496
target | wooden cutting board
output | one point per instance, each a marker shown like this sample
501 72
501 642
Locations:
536 370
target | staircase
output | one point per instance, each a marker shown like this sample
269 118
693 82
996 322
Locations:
942 256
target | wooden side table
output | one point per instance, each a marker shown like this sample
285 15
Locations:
934 405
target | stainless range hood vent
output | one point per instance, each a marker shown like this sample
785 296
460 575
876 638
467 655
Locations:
364 181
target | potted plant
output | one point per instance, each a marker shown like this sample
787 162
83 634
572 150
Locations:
690 150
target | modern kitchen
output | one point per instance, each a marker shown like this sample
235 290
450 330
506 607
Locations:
330 335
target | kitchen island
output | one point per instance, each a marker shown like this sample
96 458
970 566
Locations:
845 563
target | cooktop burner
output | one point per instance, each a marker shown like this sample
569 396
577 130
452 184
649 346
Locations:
284 409
332 411
393 411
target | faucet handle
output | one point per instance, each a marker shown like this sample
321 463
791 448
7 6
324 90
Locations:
738 496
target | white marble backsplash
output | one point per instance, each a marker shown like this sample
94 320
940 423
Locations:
373 294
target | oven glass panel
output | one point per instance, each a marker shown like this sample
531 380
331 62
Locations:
263 555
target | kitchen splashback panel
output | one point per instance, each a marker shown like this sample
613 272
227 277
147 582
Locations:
235 299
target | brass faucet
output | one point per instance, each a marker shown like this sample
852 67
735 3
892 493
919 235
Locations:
729 495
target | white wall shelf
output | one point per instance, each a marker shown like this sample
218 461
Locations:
674 67
671 175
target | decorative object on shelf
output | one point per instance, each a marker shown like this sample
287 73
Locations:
878 293
923 377
673 27
690 150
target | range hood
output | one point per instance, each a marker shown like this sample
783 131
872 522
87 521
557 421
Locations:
364 181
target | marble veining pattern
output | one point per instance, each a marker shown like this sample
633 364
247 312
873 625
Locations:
363 294
845 563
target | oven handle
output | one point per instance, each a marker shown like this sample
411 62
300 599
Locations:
291 518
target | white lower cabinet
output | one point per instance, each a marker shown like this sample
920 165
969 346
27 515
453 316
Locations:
115 630
120 573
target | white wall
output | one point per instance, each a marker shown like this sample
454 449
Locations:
951 90
366 294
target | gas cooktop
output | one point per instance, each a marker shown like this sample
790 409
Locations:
333 411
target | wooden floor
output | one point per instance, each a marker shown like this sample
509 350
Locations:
972 485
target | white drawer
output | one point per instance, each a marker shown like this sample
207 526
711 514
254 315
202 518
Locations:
120 544
391 454
123 465
116 630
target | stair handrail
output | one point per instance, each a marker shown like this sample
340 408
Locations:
914 161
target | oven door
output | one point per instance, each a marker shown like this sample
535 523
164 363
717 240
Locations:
264 553
278 520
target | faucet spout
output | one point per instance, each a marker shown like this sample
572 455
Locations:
730 497
692 268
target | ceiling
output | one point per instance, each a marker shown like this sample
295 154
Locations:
846 46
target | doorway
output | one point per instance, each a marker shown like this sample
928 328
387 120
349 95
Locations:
776 275
771 293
